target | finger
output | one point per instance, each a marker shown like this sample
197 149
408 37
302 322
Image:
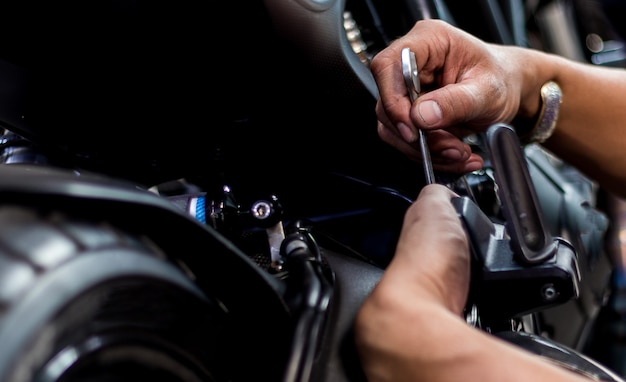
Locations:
433 245
427 219
447 146
448 153
442 144
393 105
401 129
473 163
393 138
474 104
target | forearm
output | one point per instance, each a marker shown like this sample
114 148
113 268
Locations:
591 128
434 345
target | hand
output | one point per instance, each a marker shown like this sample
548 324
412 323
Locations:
428 277
467 85
431 260
410 327
432 255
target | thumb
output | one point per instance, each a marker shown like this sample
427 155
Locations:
429 113
455 104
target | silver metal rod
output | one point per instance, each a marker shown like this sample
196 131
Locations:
411 79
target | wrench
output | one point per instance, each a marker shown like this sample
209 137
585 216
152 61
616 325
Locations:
411 79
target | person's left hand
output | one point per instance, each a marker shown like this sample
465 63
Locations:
427 278
432 255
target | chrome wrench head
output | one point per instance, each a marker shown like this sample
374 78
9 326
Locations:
411 79
409 70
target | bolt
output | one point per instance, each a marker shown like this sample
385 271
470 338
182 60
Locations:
549 292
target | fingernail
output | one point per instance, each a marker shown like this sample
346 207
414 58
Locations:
452 155
473 166
406 132
430 112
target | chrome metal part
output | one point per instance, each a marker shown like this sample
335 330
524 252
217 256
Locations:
411 78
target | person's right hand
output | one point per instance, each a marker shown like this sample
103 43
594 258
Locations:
467 85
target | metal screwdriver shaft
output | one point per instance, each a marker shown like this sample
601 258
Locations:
409 70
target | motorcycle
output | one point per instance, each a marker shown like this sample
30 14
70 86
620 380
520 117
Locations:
192 200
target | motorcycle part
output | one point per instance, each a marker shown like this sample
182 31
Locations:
504 288
531 241
561 355
82 301
215 265
412 81
520 258
305 266
268 214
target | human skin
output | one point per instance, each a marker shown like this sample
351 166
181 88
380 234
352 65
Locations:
411 328
469 84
